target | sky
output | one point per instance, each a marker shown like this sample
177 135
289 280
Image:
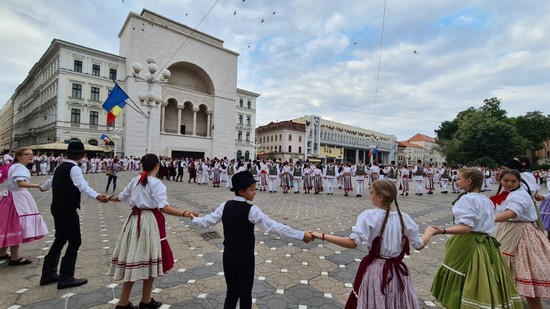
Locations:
396 67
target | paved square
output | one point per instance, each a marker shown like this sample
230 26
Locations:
289 273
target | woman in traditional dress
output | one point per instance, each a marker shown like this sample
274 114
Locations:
20 221
308 183
524 246
382 280
473 274
142 251
346 178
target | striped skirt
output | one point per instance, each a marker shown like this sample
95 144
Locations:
347 182
139 253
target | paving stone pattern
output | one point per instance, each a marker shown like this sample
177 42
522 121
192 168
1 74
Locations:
289 273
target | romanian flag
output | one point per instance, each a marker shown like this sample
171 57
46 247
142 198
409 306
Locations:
115 103
105 138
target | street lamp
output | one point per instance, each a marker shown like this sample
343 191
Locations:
149 99
116 135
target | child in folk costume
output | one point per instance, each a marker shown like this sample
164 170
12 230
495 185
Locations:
297 176
340 177
205 178
142 251
273 174
391 172
418 174
216 169
430 184
360 171
43 159
474 273
373 172
330 172
444 177
230 172
405 176
544 211
382 280
254 170
454 183
486 180
287 176
264 169
200 170
524 246
239 218
346 178
308 181
317 178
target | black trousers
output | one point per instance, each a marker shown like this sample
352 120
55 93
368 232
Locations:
238 270
67 230
180 174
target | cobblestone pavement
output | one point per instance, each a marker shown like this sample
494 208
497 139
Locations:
289 273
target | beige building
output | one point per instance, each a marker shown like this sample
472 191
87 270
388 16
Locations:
419 147
281 140
6 126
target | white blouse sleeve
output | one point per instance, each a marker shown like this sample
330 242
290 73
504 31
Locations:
20 173
363 228
464 212
412 232
516 203
159 195
127 192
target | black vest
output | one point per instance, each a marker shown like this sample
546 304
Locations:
238 232
65 195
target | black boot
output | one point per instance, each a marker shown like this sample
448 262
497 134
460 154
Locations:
49 277
65 283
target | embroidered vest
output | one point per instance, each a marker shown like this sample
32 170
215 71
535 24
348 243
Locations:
419 171
331 170
360 170
200 167
273 169
230 169
297 171
254 169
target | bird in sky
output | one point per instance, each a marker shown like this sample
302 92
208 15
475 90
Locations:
262 20
274 13
414 51
354 43
235 13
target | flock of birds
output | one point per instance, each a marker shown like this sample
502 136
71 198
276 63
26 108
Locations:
262 21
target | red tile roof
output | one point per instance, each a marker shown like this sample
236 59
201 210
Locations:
421 138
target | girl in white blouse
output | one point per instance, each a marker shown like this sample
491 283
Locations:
473 274
524 245
142 251
388 235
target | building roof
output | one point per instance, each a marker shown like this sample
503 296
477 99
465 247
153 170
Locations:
407 144
281 125
418 137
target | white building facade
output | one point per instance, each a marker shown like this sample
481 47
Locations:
62 97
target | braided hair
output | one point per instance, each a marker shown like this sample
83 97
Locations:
387 190
148 162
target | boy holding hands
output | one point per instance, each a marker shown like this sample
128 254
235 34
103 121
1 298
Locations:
238 218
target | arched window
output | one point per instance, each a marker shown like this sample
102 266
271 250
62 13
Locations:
239 155
247 155
93 142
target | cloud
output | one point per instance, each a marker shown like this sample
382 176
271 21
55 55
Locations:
322 57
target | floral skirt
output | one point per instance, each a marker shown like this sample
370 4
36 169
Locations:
527 252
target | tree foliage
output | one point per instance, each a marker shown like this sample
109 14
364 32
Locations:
486 136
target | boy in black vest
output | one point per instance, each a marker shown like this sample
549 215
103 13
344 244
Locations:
238 218
67 183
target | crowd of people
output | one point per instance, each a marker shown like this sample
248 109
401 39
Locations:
497 251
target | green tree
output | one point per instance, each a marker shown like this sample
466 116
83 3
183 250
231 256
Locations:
535 128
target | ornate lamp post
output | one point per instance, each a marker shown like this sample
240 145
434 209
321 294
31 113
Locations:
116 135
149 99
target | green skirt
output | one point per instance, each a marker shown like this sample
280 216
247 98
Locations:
474 275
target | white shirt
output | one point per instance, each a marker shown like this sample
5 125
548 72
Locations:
520 202
531 182
151 196
476 211
78 181
369 225
255 216
17 172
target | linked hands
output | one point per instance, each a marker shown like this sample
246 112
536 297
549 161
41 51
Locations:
308 236
102 198
191 214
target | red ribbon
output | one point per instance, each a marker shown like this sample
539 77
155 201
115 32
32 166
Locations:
142 178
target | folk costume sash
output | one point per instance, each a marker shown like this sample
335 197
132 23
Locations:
167 256
391 266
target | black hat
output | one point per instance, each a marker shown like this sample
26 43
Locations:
242 180
75 148
514 164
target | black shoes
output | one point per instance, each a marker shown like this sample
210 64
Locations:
358 195
129 306
153 304
47 279
65 283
